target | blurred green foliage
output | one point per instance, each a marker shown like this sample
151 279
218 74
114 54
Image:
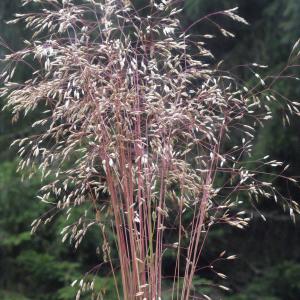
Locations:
41 267
279 282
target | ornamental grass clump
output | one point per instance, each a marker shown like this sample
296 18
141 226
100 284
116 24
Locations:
136 126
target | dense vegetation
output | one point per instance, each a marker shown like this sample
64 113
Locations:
268 268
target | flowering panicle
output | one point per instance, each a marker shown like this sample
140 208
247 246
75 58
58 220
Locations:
136 126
